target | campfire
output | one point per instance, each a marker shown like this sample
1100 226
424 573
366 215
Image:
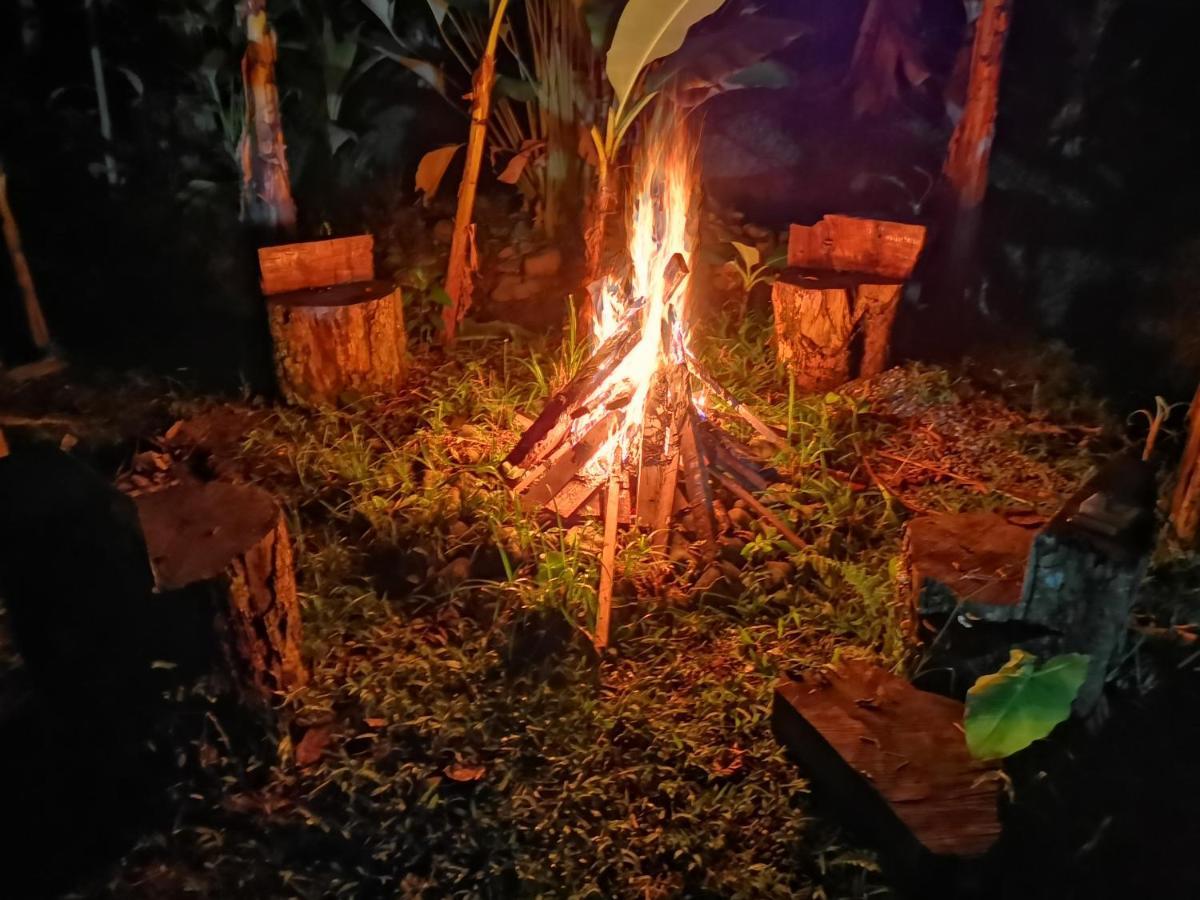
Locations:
630 438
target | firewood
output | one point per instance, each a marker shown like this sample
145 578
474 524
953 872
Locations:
3 445
736 405
763 510
608 555
565 464
726 454
228 546
813 328
339 343
316 264
699 486
865 246
549 428
670 398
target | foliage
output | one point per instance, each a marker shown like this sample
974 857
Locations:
1022 703
750 267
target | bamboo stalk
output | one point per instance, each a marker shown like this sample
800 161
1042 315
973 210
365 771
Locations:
106 132
608 556
460 271
12 238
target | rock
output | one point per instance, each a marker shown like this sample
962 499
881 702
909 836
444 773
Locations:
545 264
740 518
731 551
507 253
443 231
456 571
778 573
512 288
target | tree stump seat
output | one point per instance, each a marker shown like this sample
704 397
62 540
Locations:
845 276
224 549
338 343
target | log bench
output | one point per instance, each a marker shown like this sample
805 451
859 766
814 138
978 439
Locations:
844 275
338 333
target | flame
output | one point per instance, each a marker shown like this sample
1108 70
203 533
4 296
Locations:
660 226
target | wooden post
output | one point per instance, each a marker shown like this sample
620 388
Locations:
266 187
463 257
12 239
967 162
1185 503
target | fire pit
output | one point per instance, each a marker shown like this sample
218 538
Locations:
629 437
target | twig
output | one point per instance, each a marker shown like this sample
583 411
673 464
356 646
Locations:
742 494
733 403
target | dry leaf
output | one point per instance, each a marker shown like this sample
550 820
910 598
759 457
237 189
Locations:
376 723
432 169
464 774
312 745
520 161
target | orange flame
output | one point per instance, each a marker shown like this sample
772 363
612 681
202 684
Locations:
659 227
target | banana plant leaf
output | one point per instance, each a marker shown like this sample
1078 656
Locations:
1022 703
731 58
648 31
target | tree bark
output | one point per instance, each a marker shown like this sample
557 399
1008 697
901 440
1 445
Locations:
266 186
12 239
340 343
463 254
228 545
1185 504
813 328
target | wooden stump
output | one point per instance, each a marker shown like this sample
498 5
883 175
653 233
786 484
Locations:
229 544
877 305
339 343
813 328
971 563
893 762
1185 503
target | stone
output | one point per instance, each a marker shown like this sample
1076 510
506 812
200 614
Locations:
443 231
512 288
545 264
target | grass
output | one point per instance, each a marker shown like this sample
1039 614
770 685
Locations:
472 745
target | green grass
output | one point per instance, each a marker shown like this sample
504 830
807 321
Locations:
445 630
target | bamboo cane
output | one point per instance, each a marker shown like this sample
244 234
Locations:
462 262
12 238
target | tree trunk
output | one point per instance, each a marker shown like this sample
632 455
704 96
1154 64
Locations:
967 162
463 254
266 187
227 545
12 238
813 328
340 343
1185 504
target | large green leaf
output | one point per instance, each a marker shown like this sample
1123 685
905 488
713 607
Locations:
1021 703
716 59
647 31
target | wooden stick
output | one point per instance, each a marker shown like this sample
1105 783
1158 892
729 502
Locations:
608 556
12 237
463 258
699 489
733 403
741 493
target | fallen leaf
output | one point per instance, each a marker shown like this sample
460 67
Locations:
312 745
432 169
464 774
376 723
